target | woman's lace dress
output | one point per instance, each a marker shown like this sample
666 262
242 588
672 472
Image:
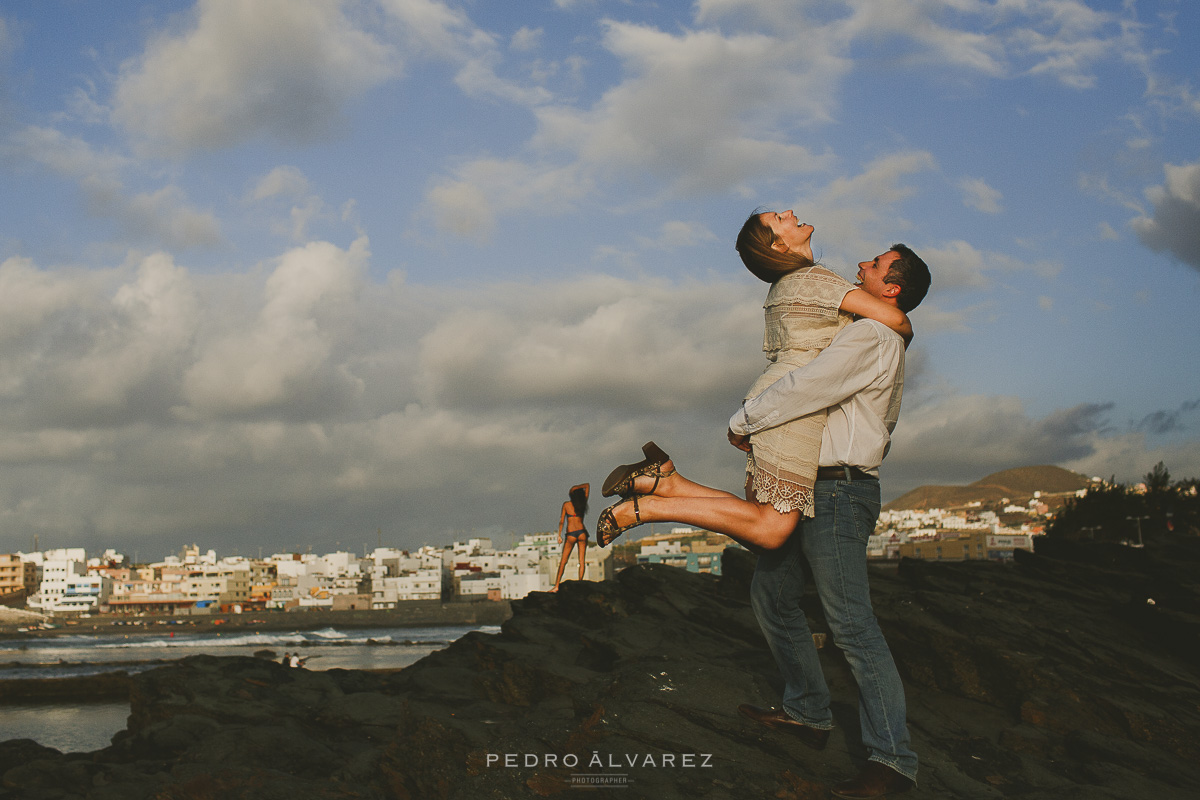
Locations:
802 318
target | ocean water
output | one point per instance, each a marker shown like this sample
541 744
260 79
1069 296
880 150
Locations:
90 726
71 729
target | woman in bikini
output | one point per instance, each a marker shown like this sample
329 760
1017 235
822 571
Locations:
571 531
805 307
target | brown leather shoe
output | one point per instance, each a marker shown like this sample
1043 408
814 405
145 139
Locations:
876 780
777 718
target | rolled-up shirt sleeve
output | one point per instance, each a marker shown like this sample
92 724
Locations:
848 365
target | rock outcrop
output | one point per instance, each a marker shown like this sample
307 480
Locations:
1070 676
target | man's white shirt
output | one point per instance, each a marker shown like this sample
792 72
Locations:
859 378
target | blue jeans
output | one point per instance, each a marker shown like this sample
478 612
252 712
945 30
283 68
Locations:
834 543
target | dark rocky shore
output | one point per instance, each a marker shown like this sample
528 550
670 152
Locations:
1051 678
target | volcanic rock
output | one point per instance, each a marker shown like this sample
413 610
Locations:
1052 677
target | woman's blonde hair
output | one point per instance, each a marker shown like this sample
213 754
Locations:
764 261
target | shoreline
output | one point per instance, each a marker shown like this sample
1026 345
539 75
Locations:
415 614
114 686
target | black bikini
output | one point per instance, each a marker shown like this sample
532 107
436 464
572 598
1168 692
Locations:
582 533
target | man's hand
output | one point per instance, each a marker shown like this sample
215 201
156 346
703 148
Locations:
739 440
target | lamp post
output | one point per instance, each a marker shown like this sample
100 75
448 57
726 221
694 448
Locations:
1139 528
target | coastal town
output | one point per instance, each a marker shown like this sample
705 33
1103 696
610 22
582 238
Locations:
68 582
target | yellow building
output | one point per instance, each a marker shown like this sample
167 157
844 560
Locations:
17 576
960 547
966 545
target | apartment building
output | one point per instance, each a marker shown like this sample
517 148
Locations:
18 577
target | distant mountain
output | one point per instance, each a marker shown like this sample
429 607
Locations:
1017 484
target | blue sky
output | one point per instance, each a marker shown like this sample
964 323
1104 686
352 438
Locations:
294 273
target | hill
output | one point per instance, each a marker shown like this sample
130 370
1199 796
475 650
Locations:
1017 484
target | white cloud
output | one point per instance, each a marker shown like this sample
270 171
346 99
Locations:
695 110
677 233
478 77
67 156
289 184
949 436
858 215
29 296
1063 39
953 439
150 323
282 68
286 181
469 203
1175 224
302 396
142 406
433 29
693 113
526 39
1129 457
920 25
82 105
82 351
162 216
977 194
328 400
933 317
599 344
283 357
960 265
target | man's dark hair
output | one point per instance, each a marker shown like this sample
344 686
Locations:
911 274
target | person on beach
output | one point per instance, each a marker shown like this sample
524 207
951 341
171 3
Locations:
858 382
571 531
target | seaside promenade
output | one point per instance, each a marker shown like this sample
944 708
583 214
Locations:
414 613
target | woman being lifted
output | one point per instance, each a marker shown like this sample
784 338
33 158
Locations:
805 307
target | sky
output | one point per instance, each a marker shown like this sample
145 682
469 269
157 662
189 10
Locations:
298 274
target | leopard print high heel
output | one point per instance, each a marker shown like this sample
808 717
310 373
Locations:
620 480
607 529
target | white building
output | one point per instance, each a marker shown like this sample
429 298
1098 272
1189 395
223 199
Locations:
419 584
66 587
224 583
516 583
477 585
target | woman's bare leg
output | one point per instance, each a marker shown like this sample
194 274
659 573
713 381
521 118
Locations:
581 553
755 525
675 485
563 562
